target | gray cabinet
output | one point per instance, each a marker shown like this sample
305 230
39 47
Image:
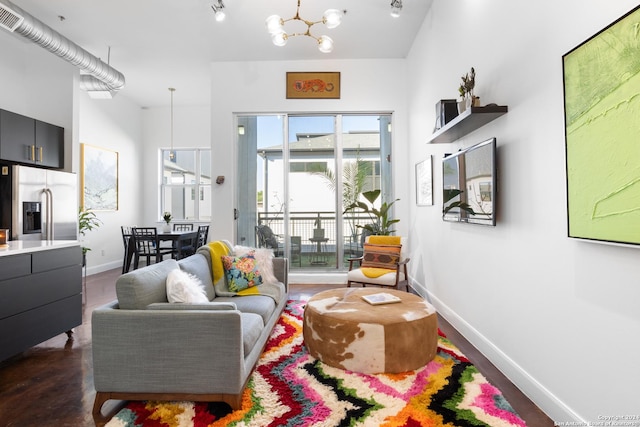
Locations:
40 297
27 140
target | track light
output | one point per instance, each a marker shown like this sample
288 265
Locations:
396 7
219 11
331 18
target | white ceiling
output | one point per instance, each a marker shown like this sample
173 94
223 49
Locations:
159 44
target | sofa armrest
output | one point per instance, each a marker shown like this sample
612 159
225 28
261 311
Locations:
158 351
281 271
187 306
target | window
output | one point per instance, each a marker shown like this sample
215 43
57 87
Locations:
186 173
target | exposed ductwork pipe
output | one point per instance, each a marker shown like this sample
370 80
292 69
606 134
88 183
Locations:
101 77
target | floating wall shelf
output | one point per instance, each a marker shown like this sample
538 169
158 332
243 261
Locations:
465 123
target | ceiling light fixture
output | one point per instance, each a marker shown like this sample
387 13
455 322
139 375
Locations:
172 154
219 11
396 7
331 18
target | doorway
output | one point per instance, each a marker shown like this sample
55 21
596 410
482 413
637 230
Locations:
297 174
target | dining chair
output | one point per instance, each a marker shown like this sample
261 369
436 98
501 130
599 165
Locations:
182 227
127 234
147 245
203 235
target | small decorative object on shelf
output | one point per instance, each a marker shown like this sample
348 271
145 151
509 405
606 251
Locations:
466 92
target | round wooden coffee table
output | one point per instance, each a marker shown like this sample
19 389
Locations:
344 331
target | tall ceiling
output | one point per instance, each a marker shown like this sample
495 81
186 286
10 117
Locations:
159 44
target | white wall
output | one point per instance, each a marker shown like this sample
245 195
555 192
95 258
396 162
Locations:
114 124
191 129
558 316
259 87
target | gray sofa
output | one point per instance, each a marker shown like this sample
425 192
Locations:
145 348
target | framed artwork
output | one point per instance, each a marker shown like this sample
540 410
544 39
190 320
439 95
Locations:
601 103
99 178
316 85
424 183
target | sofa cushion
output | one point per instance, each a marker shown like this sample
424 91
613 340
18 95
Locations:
261 305
199 266
264 259
252 327
242 272
139 288
183 287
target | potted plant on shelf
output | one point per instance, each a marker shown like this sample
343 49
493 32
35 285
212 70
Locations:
380 221
167 219
466 91
87 221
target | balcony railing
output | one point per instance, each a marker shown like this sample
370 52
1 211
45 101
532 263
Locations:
303 228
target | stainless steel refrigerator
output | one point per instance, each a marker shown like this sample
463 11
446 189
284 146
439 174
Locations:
44 204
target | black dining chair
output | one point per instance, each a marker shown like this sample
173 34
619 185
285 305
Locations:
182 227
203 235
147 246
187 246
127 240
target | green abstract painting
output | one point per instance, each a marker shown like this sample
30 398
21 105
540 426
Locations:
602 126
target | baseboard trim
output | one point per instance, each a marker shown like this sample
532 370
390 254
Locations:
534 390
95 269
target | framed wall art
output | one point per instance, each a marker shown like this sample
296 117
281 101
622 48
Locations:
315 85
601 102
99 178
424 183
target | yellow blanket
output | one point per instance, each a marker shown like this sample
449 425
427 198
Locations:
374 272
218 250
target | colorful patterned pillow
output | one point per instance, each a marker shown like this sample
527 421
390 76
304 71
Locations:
242 271
381 256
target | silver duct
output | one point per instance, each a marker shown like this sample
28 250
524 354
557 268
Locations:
101 76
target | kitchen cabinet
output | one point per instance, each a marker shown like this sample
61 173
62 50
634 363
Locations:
40 297
30 141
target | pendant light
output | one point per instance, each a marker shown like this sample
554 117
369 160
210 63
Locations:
172 154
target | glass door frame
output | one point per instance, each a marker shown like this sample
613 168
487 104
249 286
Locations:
385 141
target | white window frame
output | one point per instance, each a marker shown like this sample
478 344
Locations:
197 188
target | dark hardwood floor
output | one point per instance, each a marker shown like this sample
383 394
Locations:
52 384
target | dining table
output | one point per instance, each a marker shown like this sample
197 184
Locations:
179 240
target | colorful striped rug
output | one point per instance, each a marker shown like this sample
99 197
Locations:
290 388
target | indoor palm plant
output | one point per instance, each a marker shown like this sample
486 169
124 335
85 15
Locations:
380 221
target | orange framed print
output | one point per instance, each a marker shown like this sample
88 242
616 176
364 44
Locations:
313 85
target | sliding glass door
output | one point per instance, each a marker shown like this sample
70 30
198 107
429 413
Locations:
298 173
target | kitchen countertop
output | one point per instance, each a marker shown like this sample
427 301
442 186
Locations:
16 247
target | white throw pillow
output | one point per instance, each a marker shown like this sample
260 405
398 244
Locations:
184 287
264 259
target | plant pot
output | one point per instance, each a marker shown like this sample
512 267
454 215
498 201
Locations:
462 106
166 227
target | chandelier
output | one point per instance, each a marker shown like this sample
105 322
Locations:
331 18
